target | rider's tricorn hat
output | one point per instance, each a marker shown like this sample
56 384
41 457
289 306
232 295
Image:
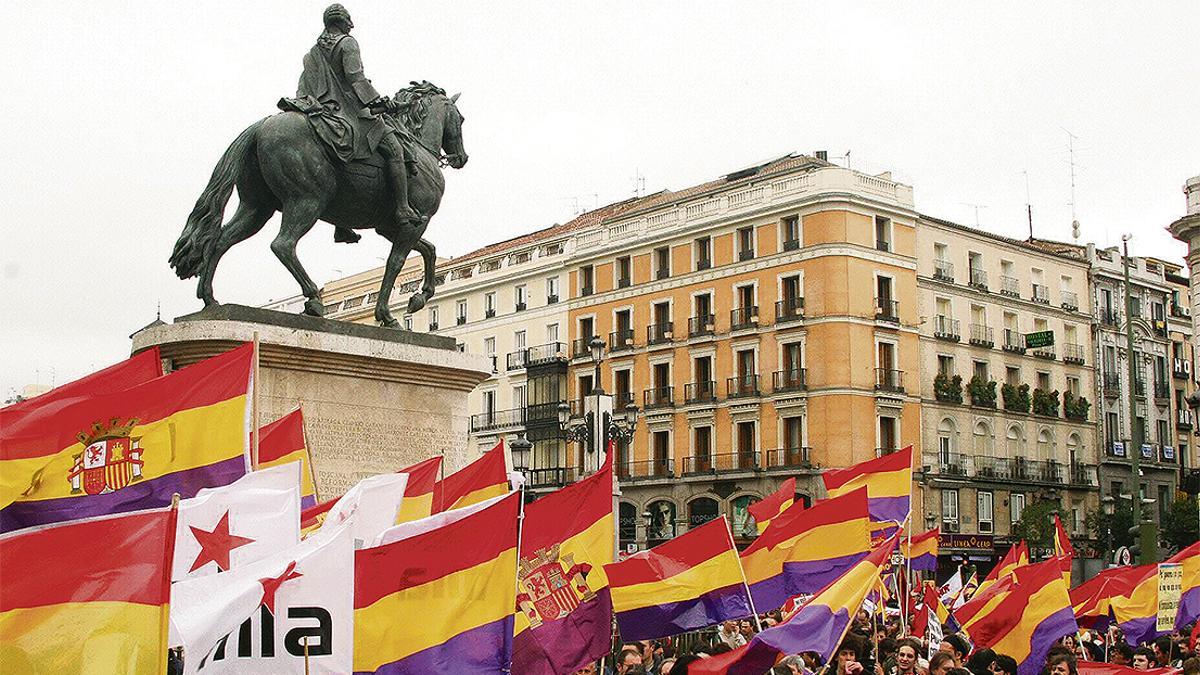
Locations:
335 12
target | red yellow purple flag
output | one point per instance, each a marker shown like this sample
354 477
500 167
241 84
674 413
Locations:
137 369
565 617
478 481
1092 599
922 550
1063 550
131 449
88 596
1017 556
418 494
888 480
773 504
282 442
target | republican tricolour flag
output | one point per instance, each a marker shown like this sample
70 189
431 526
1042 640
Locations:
291 612
1030 613
888 480
1137 613
418 494
805 549
767 508
439 597
128 450
565 617
137 369
89 596
226 527
1092 599
689 582
922 550
480 480
1016 557
818 626
283 442
1063 550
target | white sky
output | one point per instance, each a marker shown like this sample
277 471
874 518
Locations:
116 113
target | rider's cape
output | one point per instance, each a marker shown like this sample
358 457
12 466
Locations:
333 78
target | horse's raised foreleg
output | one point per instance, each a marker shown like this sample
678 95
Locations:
245 223
429 258
299 216
402 243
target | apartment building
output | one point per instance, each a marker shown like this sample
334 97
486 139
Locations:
1007 381
760 321
1187 230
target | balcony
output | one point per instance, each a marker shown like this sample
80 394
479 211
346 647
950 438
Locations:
1139 387
1046 352
658 397
551 477
460 320
1084 475
887 309
703 264
624 282
518 359
979 280
586 290
943 270
620 340
1111 383
1041 294
1166 454
700 392
497 420
789 458
662 273
889 380
952 464
745 254
1181 369
1010 286
489 313
1110 317
1179 311
1073 353
1013 341
1070 301
432 326
1159 326
550 352
724 463
742 386
581 348
1115 449
659 333
552 298
743 318
1183 419
982 336
791 244
792 380
945 328
789 310
520 306
699 326
663 467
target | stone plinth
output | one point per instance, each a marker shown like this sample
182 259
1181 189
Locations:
374 399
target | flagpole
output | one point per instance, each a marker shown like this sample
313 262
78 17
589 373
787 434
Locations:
254 408
306 671
312 468
169 560
745 582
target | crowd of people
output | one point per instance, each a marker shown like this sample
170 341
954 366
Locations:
873 648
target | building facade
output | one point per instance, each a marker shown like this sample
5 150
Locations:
1187 230
1007 381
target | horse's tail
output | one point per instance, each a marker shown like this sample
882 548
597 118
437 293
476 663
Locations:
203 226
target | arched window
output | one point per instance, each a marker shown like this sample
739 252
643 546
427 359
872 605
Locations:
740 518
627 525
946 434
701 510
1073 446
1015 439
985 445
1045 445
661 522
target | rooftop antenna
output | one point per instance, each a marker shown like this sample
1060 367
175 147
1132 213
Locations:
639 184
976 207
158 311
847 158
1071 151
1028 205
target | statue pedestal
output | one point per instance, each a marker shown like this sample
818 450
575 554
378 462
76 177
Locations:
375 399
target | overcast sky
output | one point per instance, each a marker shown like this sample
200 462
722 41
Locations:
116 113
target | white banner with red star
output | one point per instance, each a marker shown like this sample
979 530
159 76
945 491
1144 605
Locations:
224 528
270 616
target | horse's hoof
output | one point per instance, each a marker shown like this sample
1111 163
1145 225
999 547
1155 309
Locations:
210 302
314 308
415 303
389 322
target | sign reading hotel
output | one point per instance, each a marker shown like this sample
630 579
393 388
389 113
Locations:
1170 586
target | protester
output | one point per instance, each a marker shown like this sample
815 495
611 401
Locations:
850 655
905 660
1061 663
980 663
1004 665
941 663
730 636
628 658
1166 652
956 647
1142 657
1121 654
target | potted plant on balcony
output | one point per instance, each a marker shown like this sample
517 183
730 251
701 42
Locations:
947 389
983 392
1016 398
1045 403
1075 407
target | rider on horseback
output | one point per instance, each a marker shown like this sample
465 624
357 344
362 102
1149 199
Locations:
333 75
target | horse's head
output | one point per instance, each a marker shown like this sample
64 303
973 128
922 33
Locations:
434 117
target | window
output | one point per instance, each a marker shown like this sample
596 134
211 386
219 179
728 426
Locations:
624 271
702 448
519 340
741 522
408 323
1112 427
746 445
950 507
1043 380
745 242
981 371
886 307
984 511
521 295
587 329
790 227
887 434
489 403
883 233
661 464
518 396
1164 433
793 433
662 522
1017 499
1073 384
587 280
662 262
489 346
791 304
701 511
433 318
628 526
585 387
552 333
945 365
1012 376
489 305
551 290
703 253
460 312
1164 502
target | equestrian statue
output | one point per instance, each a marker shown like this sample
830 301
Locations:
339 152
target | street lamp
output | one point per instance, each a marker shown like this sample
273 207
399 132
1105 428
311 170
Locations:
597 347
520 448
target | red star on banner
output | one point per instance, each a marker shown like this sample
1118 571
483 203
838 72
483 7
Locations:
272 584
216 545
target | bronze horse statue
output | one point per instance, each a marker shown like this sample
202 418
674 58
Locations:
278 164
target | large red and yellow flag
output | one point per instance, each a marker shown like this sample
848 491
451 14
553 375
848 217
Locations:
565 617
89 596
766 509
418 494
888 480
135 370
1063 550
478 481
129 450
283 442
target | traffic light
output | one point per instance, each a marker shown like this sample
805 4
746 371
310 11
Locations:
1145 543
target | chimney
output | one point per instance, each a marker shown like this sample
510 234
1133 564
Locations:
823 155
